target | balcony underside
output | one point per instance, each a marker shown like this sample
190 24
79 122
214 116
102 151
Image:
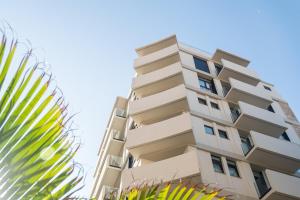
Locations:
115 147
181 166
247 123
161 85
161 112
111 175
273 160
227 73
283 187
234 95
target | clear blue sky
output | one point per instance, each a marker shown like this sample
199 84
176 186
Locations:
90 45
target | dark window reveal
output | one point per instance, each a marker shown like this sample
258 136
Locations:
209 130
223 134
202 101
233 171
214 105
217 164
207 85
201 65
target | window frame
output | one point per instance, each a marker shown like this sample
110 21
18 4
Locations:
204 64
208 85
215 105
234 166
225 133
217 160
209 127
202 101
267 88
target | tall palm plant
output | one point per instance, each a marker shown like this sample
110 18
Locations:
36 145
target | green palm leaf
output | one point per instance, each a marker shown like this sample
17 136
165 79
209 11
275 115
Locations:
36 145
169 192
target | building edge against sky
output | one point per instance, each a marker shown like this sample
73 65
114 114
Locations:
203 118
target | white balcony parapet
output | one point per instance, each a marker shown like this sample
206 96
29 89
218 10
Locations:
238 72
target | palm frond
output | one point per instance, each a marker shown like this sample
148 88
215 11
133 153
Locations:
36 145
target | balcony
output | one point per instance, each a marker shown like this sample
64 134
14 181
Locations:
240 91
116 142
220 55
108 193
278 186
170 134
248 117
237 72
157 60
159 80
118 119
156 46
159 106
182 166
270 152
111 170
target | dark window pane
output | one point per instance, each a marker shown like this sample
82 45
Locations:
223 134
284 136
267 88
201 65
218 68
233 171
246 145
130 161
202 101
270 108
214 105
207 85
217 164
209 130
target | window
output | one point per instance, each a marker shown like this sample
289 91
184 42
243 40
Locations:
233 171
209 130
202 101
246 144
201 65
214 105
218 68
223 134
130 161
270 108
267 88
284 136
207 85
217 164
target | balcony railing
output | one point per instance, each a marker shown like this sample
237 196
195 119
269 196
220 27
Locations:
115 161
110 192
226 89
120 112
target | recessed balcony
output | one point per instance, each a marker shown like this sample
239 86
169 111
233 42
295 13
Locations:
157 81
116 142
154 139
240 91
157 60
118 119
271 153
111 170
178 167
248 117
159 106
237 72
277 186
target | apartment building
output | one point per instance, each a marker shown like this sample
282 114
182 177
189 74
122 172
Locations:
201 118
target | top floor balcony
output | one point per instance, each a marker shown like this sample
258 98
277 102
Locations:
238 72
